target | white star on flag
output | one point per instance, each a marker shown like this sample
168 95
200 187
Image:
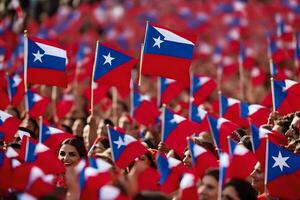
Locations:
36 98
157 42
177 119
38 56
108 59
201 112
120 142
280 161
17 81
144 98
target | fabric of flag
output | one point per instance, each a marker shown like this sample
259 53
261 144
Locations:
141 103
64 105
8 126
220 129
177 128
188 187
282 174
46 62
202 159
37 154
170 170
277 54
5 173
32 179
167 53
257 113
257 76
16 89
125 148
112 66
199 115
36 103
169 89
284 95
93 174
230 109
201 88
52 137
111 192
241 158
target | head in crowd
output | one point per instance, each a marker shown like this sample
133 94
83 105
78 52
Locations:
78 126
71 151
208 189
257 178
292 131
237 189
187 159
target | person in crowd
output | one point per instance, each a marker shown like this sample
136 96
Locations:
236 189
209 187
257 179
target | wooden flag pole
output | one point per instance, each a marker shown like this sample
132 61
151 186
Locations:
53 99
140 68
273 95
25 69
241 72
93 83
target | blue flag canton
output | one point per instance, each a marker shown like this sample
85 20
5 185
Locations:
195 115
281 162
244 107
30 152
169 124
107 60
214 128
45 133
163 167
39 58
279 93
191 148
31 98
158 42
117 142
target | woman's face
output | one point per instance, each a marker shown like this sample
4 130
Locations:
68 155
229 193
208 189
187 160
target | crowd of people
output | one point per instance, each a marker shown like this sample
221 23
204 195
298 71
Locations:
219 25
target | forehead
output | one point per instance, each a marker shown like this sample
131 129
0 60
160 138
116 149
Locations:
68 148
210 180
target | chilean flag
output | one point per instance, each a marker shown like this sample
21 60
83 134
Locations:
36 104
37 154
199 115
125 148
284 94
188 187
167 53
170 170
112 66
93 174
175 130
141 103
241 158
64 105
16 89
257 113
8 126
202 159
220 129
52 137
45 62
169 89
201 88
282 175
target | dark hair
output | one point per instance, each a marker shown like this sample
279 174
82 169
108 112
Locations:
108 122
150 195
246 141
78 144
212 172
243 188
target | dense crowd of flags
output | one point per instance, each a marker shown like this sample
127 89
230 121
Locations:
166 54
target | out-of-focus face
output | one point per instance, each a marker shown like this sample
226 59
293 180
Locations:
229 193
187 160
257 178
144 159
68 155
77 127
102 130
293 131
208 189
